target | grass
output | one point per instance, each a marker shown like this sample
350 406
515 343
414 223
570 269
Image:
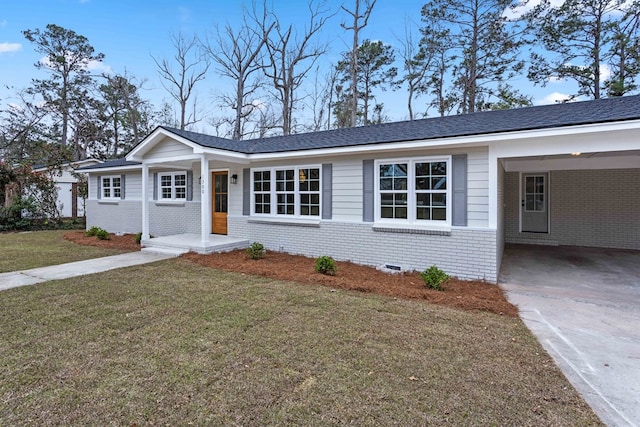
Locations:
22 251
173 343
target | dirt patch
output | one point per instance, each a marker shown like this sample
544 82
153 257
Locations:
462 294
125 242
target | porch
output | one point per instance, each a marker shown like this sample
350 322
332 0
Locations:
192 242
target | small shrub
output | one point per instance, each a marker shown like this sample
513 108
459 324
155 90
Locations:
326 265
92 231
255 251
138 238
434 278
103 234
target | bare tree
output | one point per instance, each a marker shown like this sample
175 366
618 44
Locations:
192 67
360 20
237 55
319 100
291 57
416 62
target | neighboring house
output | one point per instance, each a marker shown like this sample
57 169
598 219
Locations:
70 202
447 191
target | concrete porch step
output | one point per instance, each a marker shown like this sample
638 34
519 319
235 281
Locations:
183 243
165 250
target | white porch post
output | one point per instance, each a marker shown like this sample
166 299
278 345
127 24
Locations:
493 188
205 200
145 201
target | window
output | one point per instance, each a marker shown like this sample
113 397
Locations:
534 194
414 191
111 187
291 191
173 185
262 191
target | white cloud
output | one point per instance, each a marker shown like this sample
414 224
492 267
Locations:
556 79
10 47
92 66
555 98
99 66
526 6
605 72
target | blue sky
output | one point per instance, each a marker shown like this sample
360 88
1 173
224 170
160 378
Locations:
130 32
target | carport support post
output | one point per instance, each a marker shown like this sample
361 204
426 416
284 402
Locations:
145 201
205 200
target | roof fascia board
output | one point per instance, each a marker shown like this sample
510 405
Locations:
112 169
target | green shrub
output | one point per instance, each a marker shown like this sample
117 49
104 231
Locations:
255 251
103 234
434 278
326 265
92 231
138 238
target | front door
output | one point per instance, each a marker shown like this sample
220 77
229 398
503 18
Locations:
220 202
535 203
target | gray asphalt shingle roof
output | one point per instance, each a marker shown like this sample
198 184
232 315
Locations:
111 164
487 122
481 123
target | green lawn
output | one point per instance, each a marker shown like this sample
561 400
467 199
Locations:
22 251
173 343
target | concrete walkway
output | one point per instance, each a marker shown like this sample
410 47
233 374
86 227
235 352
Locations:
38 275
583 305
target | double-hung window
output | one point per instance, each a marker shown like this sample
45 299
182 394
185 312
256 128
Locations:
288 191
172 185
111 187
414 191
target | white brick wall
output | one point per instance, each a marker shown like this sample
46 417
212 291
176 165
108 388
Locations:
122 216
465 253
588 208
166 220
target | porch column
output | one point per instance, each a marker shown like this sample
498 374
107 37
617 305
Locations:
205 200
493 188
145 201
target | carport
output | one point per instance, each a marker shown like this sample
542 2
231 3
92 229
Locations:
580 199
567 215
583 304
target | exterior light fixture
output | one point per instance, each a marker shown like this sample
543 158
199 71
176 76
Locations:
234 179
576 153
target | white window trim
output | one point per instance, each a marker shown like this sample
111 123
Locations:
411 221
111 187
273 193
173 186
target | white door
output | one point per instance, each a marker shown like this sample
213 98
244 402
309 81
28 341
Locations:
535 203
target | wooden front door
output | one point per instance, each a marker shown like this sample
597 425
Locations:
220 201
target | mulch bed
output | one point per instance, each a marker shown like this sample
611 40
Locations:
461 294
125 242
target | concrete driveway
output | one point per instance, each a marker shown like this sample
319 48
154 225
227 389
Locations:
583 304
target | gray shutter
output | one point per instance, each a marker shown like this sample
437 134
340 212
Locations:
368 185
122 186
327 186
99 186
246 191
189 185
155 186
459 189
